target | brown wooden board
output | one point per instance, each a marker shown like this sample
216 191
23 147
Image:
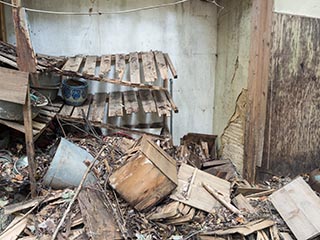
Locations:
99 222
261 25
115 104
130 102
98 107
147 101
293 126
105 65
73 64
149 67
89 68
299 207
13 85
120 66
17 126
134 68
162 103
161 64
198 196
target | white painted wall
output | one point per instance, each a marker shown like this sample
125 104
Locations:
188 32
308 8
233 59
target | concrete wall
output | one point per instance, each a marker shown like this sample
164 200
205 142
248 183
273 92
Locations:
188 32
233 59
308 8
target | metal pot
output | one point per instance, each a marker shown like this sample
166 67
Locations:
49 84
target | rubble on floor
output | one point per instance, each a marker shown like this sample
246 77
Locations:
146 189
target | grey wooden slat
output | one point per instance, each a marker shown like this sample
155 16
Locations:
162 103
161 64
130 102
115 104
73 64
147 101
89 68
105 65
120 66
98 107
134 68
149 67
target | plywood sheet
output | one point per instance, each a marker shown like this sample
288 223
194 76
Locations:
299 206
193 193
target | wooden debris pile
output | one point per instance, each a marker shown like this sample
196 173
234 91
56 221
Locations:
142 192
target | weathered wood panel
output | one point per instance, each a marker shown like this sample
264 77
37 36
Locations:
293 126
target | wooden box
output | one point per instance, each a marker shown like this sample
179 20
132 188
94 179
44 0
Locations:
147 177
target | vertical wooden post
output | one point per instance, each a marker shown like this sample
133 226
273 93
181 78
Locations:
3 34
26 62
261 26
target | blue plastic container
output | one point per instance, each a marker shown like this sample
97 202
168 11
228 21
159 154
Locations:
74 91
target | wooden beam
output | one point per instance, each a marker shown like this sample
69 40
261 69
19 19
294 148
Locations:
261 25
3 34
26 62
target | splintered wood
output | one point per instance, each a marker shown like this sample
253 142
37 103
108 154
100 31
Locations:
149 162
98 220
194 194
299 206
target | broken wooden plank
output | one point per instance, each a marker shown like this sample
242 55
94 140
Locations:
98 107
73 64
99 222
246 229
147 101
130 102
120 66
173 105
299 207
149 67
17 126
77 111
162 103
134 68
105 65
161 64
171 66
115 104
166 211
15 228
16 207
199 197
13 85
89 68
217 196
242 203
